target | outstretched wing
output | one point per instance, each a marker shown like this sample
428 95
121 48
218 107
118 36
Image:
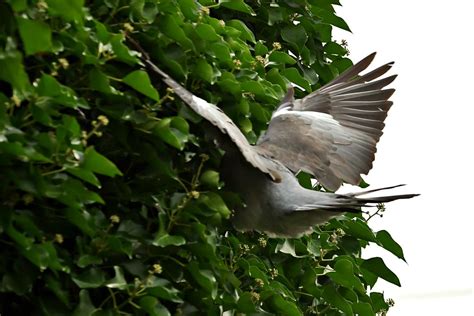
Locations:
218 118
332 133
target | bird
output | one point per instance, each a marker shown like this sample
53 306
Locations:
330 133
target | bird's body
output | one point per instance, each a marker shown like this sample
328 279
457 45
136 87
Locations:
270 206
331 133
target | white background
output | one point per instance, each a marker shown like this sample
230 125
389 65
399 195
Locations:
427 144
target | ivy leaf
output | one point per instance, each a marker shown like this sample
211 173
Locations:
281 58
293 75
140 81
100 82
385 240
168 240
331 295
152 306
118 281
363 309
69 10
204 278
173 130
344 275
48 86
285 307
377 266
162 288
13 71
168 24
295 34
205 71
330 18
245 32
207 33
85 306
245 303
215 202
85 175
89 279
36 36
97 163
359 229
237 5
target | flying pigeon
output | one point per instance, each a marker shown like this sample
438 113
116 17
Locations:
331 133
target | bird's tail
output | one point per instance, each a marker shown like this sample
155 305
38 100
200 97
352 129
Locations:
381 199
352 202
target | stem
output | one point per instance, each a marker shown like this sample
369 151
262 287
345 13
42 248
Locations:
53 172
112 295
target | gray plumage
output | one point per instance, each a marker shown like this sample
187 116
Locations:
331 133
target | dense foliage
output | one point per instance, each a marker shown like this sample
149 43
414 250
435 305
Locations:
111 201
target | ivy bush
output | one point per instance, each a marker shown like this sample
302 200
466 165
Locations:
111 201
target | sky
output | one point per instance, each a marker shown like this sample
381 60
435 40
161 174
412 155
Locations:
427 144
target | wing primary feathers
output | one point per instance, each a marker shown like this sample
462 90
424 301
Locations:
354 70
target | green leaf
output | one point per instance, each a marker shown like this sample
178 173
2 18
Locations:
245 32
22 153
334 48
85 306
359 229
363 309
173 130
13 71
70 10
245 303
122 52
145 9
215 202
48 86
378 302
260 49
153 307
377 266
18 5
54 284
220 51
87 260
82 219
331 295
162 288
330 18
85 175
281 58
293 75
284 307
237 5
344 275
100 82
207 33
288 247
36 36
204 278
295 34
97 163
210 178
385 240
168 240
189 9
168 24
91 278
118 281
43 256
140 81
205 71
